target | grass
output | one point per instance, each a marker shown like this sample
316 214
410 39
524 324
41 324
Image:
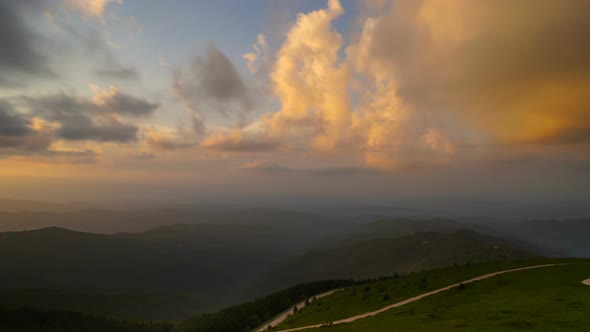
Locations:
550 297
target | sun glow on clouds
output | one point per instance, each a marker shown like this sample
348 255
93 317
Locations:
424 78
417 83
93 8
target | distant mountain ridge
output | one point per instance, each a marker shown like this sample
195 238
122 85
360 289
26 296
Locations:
386 256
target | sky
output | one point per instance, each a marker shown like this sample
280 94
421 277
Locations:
368 101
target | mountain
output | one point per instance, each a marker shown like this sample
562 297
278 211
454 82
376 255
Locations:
16 205
387 256
569 236
115 221
400 227
391 228
210 263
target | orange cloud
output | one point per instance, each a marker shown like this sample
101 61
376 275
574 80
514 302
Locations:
92 8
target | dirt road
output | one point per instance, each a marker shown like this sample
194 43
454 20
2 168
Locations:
282 317
421 296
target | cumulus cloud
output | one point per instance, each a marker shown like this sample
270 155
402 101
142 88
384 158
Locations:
335 103
521 80
423 80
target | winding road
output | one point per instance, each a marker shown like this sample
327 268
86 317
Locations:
285 315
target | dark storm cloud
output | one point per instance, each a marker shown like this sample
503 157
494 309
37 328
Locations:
112 101
213 84
16 135
11 123
218 78
97 119
77 127
19 45
19 139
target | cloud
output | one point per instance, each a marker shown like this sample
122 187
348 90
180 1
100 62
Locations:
271 167
96 47
98 118
429 82
112 100
213 84
520 81
117 72
236 141
18 135
263 166
310 83
12 124
20 46
62 156
91 8
259 55
31 140
142 155
107 101
80 127
164 141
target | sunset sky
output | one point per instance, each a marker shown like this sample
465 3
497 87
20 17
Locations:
111 99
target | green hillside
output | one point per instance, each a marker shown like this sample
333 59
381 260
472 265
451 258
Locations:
543 299
385 257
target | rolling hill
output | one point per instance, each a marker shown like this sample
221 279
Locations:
209 264
568 236
387 256
550 298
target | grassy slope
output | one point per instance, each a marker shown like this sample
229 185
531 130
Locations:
436 309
